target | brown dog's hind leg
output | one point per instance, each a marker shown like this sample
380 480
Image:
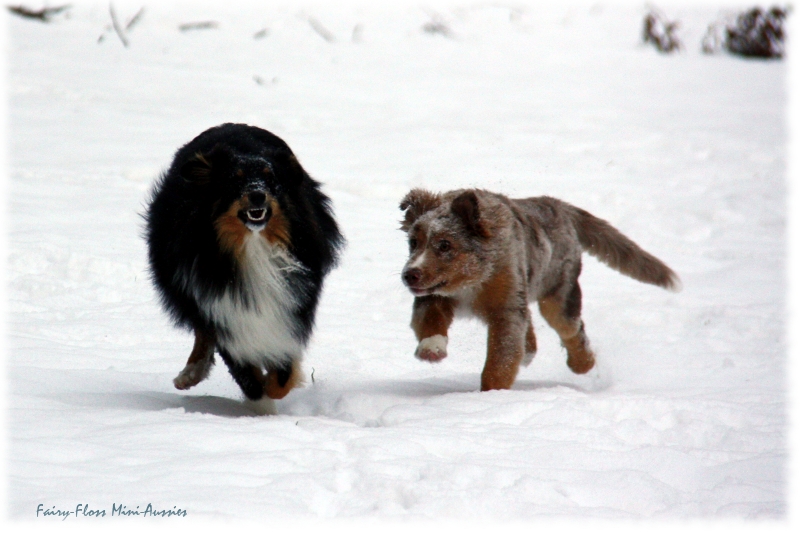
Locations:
530 343
564 316
199 363
281 380
430 320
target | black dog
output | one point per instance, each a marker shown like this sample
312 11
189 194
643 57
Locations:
240 238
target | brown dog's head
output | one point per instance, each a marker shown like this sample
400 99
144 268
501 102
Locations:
447 238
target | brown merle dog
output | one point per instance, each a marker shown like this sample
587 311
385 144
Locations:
488 255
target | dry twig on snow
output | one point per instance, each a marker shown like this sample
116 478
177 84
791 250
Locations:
757 33
358 32
115 26
203 25
134 19
437 25
321 30
44 14
661 32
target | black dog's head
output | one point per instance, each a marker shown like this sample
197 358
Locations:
245 193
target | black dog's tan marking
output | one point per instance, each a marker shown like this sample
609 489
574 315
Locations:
277 231
281 380
230 229
490 256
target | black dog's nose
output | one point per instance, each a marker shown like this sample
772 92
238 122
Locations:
412 276
257 198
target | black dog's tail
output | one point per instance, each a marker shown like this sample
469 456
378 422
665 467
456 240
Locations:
606 243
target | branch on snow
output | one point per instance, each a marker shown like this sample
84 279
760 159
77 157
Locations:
321 30
661 32
115 26
44 14
204 25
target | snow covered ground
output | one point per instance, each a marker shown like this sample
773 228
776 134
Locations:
685 415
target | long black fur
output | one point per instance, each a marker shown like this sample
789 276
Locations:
201 185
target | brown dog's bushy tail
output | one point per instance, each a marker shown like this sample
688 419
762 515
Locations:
606 243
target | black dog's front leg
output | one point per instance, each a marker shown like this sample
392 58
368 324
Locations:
200 360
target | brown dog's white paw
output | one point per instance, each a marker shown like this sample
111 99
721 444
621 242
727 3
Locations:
192 374
432 349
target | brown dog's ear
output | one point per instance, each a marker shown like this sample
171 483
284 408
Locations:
416 203
465 206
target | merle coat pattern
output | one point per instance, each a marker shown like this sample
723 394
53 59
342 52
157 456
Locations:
487 255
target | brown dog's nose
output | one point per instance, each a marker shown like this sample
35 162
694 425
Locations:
412 276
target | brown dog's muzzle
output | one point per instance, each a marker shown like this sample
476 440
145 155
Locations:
412 277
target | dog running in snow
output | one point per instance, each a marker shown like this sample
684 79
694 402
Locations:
240 239
488 255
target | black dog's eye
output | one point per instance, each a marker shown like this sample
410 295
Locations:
444 246
412 244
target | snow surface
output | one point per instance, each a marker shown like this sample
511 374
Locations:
685 415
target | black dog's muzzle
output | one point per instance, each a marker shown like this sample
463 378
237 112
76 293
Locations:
259 212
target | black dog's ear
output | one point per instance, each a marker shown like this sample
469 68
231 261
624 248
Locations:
416 203
466 207
199 168
287 168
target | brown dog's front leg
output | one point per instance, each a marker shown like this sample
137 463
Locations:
505 350
200 361
430 320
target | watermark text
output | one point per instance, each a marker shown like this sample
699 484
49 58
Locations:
84 510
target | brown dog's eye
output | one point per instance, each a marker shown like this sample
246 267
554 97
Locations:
412 244
444 246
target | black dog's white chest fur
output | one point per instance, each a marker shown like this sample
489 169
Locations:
254 319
